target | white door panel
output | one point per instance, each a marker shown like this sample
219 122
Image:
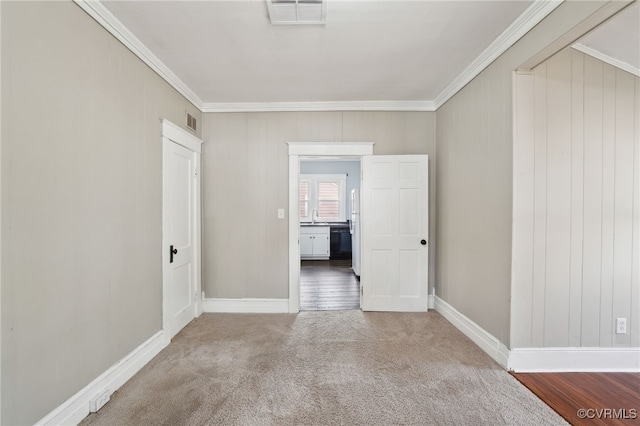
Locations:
180 213
181 291
394 223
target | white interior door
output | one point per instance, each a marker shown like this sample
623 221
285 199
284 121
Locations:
181 239
395 221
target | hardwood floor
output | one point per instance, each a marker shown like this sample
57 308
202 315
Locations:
588 398
327 285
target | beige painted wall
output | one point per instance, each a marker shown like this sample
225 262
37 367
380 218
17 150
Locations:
576 244
81 203
473 204
245 181
474 178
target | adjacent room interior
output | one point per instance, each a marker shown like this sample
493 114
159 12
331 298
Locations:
413 197
329 216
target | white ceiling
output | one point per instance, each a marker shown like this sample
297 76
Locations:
228 52
222 54
618 39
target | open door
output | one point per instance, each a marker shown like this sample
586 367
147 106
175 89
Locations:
395 233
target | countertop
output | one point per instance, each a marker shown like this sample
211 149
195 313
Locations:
329 224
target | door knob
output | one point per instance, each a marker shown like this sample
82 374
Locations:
172 251
423 242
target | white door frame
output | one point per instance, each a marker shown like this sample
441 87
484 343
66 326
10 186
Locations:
296 150
172 133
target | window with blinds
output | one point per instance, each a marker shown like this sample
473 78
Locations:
329 200
304 201
323 198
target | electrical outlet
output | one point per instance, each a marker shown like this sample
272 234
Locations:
621 326
99 401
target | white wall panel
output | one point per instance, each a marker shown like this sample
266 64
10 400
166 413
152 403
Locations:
539 208
557 263
607 203
623 200
523 205
634 301
577 196
583 120
592 240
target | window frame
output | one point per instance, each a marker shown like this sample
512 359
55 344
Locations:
313 202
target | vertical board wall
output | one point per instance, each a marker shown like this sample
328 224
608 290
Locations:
576 216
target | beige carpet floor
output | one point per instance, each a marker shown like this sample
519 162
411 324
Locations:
325 368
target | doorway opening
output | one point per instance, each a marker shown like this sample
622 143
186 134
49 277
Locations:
329 214
317 221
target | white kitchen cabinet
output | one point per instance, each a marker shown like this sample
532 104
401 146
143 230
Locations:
314 242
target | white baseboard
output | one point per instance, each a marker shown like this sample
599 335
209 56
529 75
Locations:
254 306
488 343
76 408
529 360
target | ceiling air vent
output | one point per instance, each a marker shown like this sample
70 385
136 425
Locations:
191 122
297 12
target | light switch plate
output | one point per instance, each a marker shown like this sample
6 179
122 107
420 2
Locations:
280 213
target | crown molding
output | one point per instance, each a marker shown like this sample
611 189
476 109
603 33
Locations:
606 58
525 22
104 17
320 106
